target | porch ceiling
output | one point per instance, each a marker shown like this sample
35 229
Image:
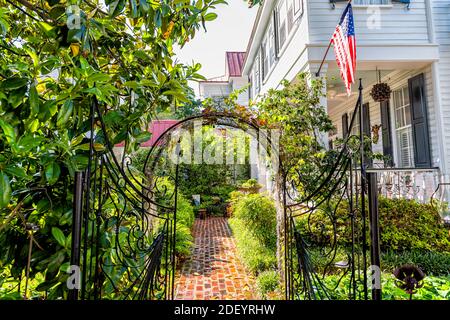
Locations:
336 93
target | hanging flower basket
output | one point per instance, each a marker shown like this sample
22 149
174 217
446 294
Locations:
381 92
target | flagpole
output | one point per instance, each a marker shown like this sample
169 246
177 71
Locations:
326 53
323 60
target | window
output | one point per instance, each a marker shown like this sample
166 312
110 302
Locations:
257 75
403 128
298 7
355 128
370 2
250 88
265 58
287 13
268 51
281 23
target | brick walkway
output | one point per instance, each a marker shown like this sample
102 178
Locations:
214 270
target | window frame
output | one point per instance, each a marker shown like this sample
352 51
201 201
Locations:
385 3
281 24
268 51
403 128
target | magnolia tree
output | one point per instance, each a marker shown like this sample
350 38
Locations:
56 58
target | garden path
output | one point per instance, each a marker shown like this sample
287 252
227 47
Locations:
214 270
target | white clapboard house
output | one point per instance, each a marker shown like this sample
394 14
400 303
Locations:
406 43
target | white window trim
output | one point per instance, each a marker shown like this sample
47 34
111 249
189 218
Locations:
300 12
394 129
289 35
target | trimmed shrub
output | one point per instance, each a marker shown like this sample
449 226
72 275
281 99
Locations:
432 263
407 225
404 225
259 214
254 254
267 282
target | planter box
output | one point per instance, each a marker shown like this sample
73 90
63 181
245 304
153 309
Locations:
202 213
250 190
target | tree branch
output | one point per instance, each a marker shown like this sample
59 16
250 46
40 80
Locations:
41 13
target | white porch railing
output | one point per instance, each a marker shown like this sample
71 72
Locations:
408 183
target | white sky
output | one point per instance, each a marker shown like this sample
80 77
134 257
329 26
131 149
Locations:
229 32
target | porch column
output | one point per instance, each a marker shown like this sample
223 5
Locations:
312 68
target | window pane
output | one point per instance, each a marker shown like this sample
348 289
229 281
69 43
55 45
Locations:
408 115
398 118
402 109
290 17
406 95
272 45
282 17
297 6
371 2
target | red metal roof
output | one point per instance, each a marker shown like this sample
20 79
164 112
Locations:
157 128
235 63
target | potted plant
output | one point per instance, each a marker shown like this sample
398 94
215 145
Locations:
250 186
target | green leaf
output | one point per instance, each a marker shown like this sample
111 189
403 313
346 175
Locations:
142 137
52 172
86 147
16 171
26 143
5 190
59 236
131 84
14 83
33 56
9 132
64 113
32 125
116 8
34 99
98 77
210 16
143 5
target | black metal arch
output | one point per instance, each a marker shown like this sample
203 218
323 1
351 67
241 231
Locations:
217 117
124 238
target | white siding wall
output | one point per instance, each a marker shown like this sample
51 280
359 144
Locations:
238 83
214 89
292 57
397 25
396 80
441 18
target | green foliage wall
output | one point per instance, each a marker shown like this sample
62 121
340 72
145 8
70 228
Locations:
254 228
258 213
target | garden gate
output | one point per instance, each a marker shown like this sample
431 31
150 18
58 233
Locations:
124 219
343 206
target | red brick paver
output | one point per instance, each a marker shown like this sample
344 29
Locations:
214 270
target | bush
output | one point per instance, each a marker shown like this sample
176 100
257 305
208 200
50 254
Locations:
185 218
435 288
404 225
267 282
407 225
255 256
259 214
432 263
184 241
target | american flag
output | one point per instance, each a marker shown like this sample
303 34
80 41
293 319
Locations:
345 47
